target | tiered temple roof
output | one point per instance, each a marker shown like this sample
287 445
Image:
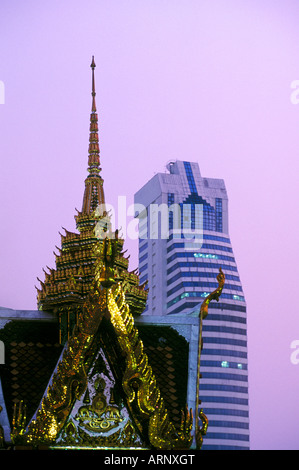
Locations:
65 288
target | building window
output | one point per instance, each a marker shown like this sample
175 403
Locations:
211 285
224 364
142 258
201 274
143 247
209 213
142 268
190 177
198 264
143 279
203 295
170 201
219 227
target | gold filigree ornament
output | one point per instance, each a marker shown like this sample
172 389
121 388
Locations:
143 396
68 383
99 416
139 383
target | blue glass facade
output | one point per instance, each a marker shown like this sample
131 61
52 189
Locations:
180 276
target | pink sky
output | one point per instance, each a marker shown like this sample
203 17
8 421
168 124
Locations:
206 81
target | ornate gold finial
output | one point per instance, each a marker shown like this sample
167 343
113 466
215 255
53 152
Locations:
107 274
93 92
94 191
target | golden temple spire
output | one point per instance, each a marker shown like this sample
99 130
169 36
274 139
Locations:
94 193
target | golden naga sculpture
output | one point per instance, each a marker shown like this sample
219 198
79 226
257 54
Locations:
199 414
139 383
214 295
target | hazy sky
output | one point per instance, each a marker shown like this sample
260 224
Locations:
204 80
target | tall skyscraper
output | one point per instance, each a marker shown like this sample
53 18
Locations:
184 240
